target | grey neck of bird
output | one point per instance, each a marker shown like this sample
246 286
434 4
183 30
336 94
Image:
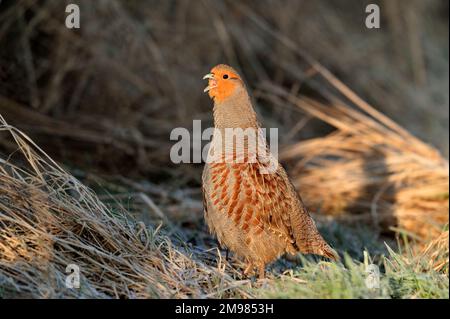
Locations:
236 111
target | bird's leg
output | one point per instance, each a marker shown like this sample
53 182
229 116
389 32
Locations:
226 254
248 269
261 269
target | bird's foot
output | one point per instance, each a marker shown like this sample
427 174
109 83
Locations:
261 269
251 268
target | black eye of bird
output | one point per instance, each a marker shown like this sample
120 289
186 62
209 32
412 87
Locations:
225 76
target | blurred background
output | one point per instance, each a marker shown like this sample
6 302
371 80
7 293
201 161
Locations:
103 99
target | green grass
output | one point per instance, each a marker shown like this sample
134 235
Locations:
402 273
399 278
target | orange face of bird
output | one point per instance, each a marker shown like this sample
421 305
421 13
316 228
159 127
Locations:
222 82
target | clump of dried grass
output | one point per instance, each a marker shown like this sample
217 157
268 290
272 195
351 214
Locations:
368 170
49 220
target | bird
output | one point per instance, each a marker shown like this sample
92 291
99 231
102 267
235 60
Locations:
250 205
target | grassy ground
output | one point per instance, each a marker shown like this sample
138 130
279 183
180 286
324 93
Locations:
50 219
326 280
402 275
102 100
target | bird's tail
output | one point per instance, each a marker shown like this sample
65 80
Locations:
330 253
307 238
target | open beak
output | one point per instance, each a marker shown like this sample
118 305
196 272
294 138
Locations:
212 82
208 76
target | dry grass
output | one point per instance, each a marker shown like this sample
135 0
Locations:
370 170
434 255
116 90
48 220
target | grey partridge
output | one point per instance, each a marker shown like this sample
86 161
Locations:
249 202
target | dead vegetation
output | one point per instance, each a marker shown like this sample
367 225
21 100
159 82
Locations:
113 91
103 100
434 255
372 171
49 220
